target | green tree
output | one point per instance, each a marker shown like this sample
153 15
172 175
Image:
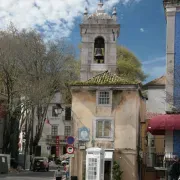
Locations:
117 173
128 65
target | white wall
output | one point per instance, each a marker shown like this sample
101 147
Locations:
59 120
156 100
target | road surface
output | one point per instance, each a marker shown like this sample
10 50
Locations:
29 175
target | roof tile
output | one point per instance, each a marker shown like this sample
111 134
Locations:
106 78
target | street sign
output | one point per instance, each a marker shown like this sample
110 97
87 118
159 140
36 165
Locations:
70 149
57 146
70 140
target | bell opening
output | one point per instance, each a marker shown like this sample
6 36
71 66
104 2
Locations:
99 50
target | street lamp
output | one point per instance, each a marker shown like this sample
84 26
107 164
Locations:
58 109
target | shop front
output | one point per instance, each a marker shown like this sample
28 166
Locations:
169 126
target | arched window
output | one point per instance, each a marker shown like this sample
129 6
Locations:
99 50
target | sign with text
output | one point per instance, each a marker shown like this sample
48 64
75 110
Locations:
57 146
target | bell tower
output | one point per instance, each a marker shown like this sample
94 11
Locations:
99 32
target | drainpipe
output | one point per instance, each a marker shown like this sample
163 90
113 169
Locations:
138 149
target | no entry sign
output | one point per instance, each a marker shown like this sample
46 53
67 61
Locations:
70 149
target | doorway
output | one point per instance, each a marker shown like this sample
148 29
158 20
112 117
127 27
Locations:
107 170
53 150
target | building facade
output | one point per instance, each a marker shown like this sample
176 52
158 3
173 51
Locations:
107 109
153 146
58 125
168 124
111 113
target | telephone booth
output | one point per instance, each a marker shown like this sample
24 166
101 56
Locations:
94 164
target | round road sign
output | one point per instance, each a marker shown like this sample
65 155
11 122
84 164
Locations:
70 140
70 149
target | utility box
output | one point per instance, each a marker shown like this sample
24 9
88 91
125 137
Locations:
94 164
3 164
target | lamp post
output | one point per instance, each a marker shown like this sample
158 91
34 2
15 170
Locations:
58 109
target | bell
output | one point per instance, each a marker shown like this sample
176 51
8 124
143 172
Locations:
99 54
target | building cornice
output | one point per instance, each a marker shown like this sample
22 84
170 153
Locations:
107 87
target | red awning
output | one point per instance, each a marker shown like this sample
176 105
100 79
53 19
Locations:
158 124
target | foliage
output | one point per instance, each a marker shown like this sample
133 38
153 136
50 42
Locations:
128 65
117 173
31 72
106 78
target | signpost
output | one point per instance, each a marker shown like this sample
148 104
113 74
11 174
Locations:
70 149
57 146
70 140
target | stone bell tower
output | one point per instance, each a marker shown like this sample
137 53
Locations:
99 32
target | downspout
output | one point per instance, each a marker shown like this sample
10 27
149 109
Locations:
138 149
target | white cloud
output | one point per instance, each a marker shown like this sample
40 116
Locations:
55 17
155 67
155 60
142 29
155 72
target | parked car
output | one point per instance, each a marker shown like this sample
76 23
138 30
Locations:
40 163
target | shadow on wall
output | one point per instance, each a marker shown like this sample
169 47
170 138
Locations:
128 165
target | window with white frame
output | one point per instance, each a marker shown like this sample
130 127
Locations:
104 97
54 130
67 130
103 128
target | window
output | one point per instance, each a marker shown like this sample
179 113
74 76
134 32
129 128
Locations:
67 130
54 130
104 97
54 114
103 129
68 113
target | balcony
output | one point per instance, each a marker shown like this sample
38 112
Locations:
51 140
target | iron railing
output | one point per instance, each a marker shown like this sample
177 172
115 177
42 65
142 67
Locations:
158 159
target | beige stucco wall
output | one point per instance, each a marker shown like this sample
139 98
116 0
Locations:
125 114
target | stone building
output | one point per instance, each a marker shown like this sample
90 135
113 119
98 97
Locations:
107 109
168 124
99 32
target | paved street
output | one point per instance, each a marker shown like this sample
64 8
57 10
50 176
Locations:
28 175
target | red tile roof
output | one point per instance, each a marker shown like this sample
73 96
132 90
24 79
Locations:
156 82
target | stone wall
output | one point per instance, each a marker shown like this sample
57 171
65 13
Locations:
177 62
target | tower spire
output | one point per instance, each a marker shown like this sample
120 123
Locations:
100 6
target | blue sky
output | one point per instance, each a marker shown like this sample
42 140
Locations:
143 25
143 31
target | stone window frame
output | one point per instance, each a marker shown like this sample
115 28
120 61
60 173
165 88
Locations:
110 97
111 119
69 126
52 131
